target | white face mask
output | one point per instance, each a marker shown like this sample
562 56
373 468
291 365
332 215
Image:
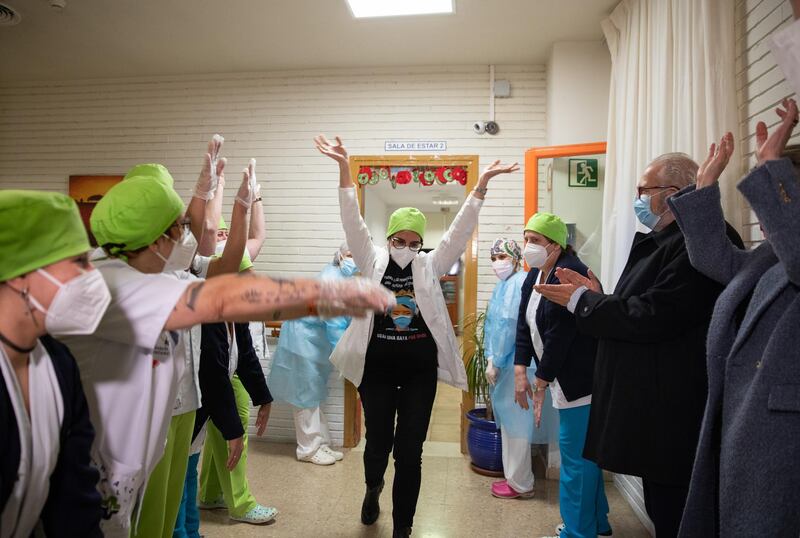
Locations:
503 268
180 259
535 255
78 305
402 256
220 247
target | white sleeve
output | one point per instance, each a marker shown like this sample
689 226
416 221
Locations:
355 230
140 304
454 241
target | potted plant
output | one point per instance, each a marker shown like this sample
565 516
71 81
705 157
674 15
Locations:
483 437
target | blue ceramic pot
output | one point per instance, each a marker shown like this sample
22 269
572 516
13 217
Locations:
484 442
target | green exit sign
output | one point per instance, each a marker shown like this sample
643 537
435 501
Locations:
583 173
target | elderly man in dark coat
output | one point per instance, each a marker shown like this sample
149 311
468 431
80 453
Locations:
650 384
746 479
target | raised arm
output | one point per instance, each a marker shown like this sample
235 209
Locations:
355 229
698 211
773 191
454 241
244 297
257 234
201 207
237 238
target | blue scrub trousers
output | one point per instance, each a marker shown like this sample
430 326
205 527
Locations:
582 494
188 523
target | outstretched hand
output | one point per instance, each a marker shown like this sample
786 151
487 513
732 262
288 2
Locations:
570 282
770 147
336 151
718 157
496 168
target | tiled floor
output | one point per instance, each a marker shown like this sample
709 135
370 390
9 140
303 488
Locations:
322 502
446 416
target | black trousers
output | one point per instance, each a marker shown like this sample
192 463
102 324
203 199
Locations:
402 387
664 504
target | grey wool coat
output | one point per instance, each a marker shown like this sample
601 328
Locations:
746 477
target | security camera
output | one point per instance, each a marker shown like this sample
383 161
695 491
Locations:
479 127
492 128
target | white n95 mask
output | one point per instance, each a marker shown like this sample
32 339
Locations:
535 255
180 259
77 307
402 256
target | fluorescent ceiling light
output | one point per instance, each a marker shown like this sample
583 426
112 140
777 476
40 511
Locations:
392 8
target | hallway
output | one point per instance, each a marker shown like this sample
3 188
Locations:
322 502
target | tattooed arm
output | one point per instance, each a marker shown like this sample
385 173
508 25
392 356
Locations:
249 297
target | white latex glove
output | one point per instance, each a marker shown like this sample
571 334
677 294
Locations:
355 297
491 372
245 196
254 185
213 166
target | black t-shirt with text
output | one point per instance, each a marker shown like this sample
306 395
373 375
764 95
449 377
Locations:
403 331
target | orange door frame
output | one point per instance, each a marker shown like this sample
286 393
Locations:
532 157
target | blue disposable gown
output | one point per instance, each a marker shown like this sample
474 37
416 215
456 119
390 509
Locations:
500 330
301 365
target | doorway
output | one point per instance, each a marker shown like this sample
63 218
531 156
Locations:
437 186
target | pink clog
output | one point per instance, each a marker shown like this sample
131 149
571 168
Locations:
502 490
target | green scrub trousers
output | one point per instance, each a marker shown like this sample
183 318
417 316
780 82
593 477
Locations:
162 498
215 479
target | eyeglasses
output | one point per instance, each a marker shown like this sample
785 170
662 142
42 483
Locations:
643 190
414 246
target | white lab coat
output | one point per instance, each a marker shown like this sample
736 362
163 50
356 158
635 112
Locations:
351 351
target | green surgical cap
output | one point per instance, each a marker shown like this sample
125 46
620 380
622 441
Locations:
247 263
549 226
222 225
406 218
37 229
136 211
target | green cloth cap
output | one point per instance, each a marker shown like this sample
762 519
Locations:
222 225
246 263
37 229
136 211
549 226
406 218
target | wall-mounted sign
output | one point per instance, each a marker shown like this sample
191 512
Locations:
415 145
583 173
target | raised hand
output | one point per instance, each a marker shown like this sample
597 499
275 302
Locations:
254 185
718 157
770 146
246 195
211 170
496 168
336 151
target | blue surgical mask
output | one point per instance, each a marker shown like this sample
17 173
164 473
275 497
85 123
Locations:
401 322
348 267
641 206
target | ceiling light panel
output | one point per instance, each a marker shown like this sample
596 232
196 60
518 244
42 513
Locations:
363 9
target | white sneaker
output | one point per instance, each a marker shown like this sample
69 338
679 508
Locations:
320 457
338 456
560 528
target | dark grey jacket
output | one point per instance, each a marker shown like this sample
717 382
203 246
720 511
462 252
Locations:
746 478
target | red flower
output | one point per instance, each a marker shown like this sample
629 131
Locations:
403 177
460 175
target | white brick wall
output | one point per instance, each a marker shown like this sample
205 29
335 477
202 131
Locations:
50 130
760 83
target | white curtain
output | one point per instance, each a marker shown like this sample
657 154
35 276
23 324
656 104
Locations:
672 89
